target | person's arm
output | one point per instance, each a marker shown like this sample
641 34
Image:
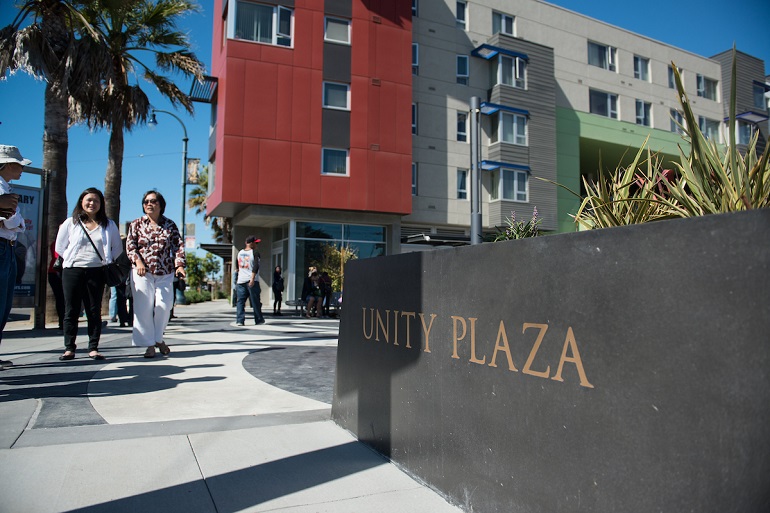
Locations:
116 245
254 269
62 238
180 259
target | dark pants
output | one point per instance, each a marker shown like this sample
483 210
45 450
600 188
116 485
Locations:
243 291
82 285
54 280
123 311
277 302
7 281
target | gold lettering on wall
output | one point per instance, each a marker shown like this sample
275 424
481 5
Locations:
571 343
504 347
408 315
426 330
385 330
528 366
371 323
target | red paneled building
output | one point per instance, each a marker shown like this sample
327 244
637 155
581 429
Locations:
311 144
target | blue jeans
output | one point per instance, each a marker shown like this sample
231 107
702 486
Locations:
7 282
243 291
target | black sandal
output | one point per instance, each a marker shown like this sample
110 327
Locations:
65 356
97 356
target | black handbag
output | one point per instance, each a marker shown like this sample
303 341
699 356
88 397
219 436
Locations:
115 272
58 264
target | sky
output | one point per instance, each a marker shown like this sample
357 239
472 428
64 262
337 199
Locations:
153 158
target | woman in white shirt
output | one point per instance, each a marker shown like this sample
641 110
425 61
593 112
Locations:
82 273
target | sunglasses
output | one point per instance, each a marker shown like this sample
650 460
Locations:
150 202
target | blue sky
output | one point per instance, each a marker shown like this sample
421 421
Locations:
153 158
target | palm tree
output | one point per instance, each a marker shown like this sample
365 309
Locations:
130 30
49 49
196 198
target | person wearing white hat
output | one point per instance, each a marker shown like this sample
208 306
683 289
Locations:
11 224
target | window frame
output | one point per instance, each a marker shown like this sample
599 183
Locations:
677 116
460 77
498 126
706 125
642 72
758 92
326 30
414 178
744 131
461 14
462 193
324 96
498 190
415 7
610 56
672 77
324 172
462 126
612 106
277 38
414 118
646 113
518 69
503 17
415 59
707 88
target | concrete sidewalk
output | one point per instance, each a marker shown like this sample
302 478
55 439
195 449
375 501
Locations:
234 419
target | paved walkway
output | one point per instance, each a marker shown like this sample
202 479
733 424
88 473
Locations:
234 419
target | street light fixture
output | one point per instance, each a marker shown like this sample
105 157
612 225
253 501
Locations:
153 122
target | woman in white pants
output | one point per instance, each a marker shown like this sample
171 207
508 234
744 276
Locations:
156 250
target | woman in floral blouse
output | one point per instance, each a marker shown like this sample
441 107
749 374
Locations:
156 249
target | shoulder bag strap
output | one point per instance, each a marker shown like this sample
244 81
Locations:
89 240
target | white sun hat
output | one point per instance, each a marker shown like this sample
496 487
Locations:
12 154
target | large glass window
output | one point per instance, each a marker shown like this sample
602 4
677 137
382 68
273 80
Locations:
603 104
337 30
509 128
602 56
512 71
707 88
709 128
263 23
510 184
461 15
336 96
462 184
643 115
677 121
642 68
462 69
672 77
334 161
502 23
745 131
759 97
462 131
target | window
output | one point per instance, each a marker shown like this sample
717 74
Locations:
334 162
462 15
745 131
414 119
512 71
759 96
642 68
643 113
414 178
509 128
509 184
462 69
336 96
337 30
414 7
415 59
602 56
462 131
462 184
263 23
709 128
671 77
677 122
707 88
603 104
502 23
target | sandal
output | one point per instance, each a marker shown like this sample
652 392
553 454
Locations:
150 353
65 356
163 348
96 356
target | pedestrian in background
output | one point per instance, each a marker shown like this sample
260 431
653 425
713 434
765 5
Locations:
87 242
156 250
277 290
247 283
11 224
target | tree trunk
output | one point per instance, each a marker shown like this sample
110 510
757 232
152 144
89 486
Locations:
113 178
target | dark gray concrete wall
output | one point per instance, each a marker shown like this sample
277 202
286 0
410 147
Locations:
625 369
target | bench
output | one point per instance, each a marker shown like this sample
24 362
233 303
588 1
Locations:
298 304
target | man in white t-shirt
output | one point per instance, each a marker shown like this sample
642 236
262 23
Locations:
247 283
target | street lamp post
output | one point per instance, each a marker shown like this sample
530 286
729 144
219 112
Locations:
154 122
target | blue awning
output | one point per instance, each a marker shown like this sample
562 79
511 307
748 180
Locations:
491 165
488 109
487 52
750 116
